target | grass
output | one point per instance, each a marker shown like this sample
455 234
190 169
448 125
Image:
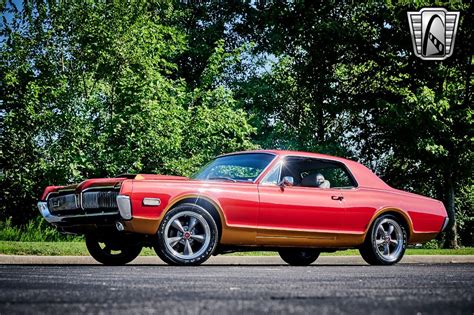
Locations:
75 248
36 230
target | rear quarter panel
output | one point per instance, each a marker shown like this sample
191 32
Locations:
423 215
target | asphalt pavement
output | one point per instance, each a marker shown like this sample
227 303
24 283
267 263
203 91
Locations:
237 289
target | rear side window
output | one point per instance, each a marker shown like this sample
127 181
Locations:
337 177
318 173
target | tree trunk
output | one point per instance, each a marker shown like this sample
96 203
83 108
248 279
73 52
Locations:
451 231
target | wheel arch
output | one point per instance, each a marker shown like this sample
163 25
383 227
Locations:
205 202
396 212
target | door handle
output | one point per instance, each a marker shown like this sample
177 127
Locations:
337 197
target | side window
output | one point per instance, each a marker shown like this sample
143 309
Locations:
273 177
318 173
338 177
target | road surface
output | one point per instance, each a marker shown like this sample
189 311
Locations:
246 289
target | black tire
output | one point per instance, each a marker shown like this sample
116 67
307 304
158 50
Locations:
113 250
299 257
198 250
371 251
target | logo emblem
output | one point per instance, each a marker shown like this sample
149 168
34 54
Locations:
433 31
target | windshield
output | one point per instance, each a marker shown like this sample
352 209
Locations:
238 167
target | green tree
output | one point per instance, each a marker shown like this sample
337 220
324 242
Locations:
413 118
94 90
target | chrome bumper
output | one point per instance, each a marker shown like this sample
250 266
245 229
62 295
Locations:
124 206
445 224
43 208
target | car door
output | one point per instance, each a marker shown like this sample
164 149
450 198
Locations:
297 215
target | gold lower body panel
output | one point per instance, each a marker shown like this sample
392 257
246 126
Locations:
238 235
308 238
142 225
421 237
288 238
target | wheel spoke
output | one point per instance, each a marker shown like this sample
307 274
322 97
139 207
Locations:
386 250
381 229
379 242
187 249
177 225
390 229
199 238
172 241
192 223
394 241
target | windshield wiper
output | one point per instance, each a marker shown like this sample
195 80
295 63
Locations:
223 178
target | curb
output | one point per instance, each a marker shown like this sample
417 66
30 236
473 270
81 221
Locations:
232 260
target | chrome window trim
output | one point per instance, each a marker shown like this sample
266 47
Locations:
247 152
279 165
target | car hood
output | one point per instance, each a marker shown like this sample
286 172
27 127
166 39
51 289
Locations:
113 182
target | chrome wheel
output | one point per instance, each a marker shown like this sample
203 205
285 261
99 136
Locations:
388 240
187 235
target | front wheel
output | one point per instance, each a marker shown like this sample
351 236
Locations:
385 242
298 257
187 235
113 251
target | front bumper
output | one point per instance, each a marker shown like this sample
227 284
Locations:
57 219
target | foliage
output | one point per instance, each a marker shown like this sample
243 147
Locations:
37 230
84 98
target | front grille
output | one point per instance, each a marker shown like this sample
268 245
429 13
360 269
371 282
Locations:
92 202
63 203
99 199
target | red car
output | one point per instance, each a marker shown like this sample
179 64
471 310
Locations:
299 204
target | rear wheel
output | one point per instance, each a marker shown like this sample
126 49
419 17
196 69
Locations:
113 251
386 241
187 235
299 257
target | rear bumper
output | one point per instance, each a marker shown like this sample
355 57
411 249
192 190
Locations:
445 224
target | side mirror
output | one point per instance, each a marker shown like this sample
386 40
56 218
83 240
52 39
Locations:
286 181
